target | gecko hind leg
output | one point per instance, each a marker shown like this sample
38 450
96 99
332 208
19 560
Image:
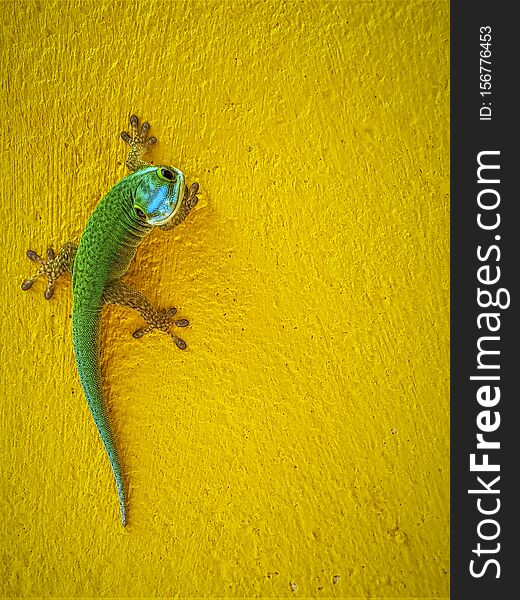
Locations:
138 143
121 294
52 267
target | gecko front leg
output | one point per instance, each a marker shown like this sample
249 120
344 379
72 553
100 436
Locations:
139 145
52 267
121 294
189 200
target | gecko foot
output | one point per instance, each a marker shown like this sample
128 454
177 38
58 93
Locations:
138 143
52 267
188 202
117 292
163 320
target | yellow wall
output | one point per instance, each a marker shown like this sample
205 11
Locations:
304 433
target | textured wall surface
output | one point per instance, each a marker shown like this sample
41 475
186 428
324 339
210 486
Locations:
299 447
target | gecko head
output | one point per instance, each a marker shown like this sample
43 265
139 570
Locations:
159 194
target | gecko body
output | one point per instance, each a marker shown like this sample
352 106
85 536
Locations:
149 197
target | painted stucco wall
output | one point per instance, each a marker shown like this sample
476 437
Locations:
299 447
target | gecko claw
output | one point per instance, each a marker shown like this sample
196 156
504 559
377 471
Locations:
181 344
31 255
27 284
126 137
50 290
138 333
179 322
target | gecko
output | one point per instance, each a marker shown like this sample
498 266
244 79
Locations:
149 197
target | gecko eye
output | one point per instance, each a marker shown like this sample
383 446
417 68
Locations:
167 174
140 213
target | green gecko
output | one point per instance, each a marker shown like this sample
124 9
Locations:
149 197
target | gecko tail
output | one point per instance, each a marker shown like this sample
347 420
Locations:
122 508
85 334
108 442
120 491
